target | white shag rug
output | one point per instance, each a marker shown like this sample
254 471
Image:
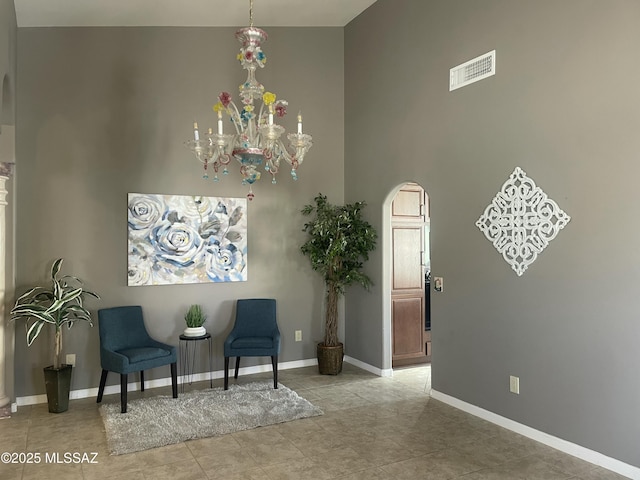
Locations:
163 420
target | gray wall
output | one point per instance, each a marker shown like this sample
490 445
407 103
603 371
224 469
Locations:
104 112
8 36
562 106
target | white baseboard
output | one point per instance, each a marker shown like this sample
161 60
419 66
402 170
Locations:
267 368
198 377
590 456
162 382
368 368
32 400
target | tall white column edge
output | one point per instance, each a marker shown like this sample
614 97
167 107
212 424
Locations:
5 172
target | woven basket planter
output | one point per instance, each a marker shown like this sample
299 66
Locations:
330 359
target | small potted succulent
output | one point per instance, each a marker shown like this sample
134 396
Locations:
58 305
194 318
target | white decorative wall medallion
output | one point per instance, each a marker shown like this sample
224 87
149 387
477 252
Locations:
521 221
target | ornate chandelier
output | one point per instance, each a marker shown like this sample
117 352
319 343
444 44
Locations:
256 142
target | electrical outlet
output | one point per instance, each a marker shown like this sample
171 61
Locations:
71 359
514 384
298 335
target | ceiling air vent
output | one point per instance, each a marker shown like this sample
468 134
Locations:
480 67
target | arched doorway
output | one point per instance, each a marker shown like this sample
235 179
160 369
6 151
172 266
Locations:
406 267
6 102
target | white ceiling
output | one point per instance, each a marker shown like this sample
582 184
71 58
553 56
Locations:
187 13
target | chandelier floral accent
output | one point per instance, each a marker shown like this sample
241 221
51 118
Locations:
255 142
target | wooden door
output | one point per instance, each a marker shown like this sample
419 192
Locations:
407 286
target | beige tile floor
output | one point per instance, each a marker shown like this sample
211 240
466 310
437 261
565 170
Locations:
373 429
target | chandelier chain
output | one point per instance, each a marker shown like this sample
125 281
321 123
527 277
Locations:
251 13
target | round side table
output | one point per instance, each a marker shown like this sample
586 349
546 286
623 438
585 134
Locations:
188 350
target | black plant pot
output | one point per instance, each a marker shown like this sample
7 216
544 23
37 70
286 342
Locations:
58 384
330 359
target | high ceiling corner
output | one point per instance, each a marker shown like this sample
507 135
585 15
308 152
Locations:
187 13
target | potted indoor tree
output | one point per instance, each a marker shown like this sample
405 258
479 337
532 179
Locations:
194 318
59 305
339 243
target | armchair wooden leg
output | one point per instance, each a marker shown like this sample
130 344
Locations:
274 363
174 379
237 367
142 380
226 373
123 393
103 381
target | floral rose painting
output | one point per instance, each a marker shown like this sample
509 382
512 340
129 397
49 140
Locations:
180 239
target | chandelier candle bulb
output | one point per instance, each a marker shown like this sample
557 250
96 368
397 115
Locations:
220 128
196 135
299 123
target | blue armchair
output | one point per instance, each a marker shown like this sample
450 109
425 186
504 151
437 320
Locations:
255 334
126 347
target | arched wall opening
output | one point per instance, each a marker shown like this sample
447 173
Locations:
6 102
387 272
7 127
